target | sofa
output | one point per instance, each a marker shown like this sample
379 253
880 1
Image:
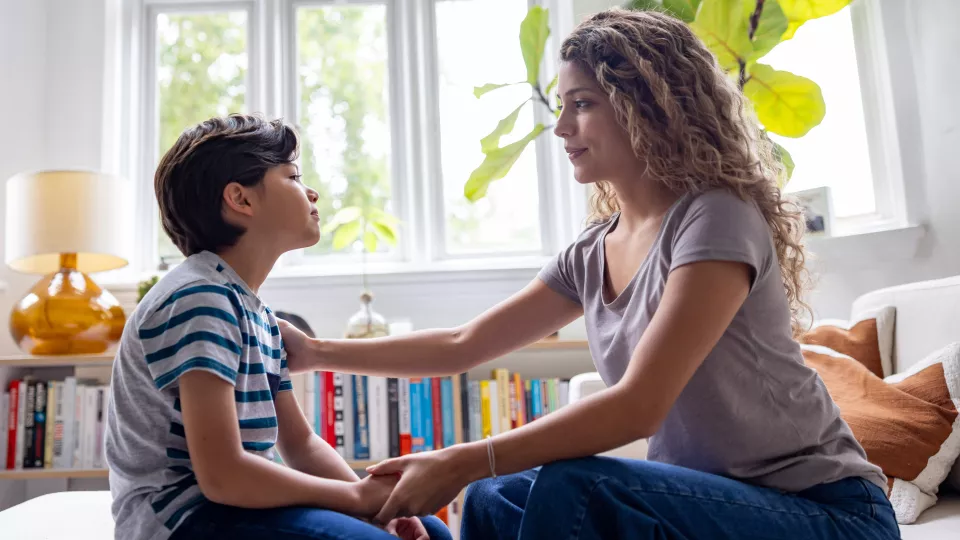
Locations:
927 316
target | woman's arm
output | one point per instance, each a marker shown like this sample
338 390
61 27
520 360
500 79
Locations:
531 314
304 450
699 302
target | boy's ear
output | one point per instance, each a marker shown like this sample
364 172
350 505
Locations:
238 199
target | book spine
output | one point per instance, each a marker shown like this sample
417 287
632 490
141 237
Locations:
53 389
545 405
503 397
476 417
4 423
448 410
519 400
426 410
348 425
495 420
393 417
457 409
437 395
12 415
485 421
39 424
309 403
103 394
536 399
339 433
464 398
29 423
361 433
79 420
406 437
564 393
91 408
69 420
329 414
416 415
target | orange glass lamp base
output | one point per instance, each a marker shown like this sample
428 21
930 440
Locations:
66 313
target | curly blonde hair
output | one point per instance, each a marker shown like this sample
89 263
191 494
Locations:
687 120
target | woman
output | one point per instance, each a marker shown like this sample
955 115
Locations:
689 279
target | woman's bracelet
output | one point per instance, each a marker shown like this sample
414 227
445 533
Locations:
491 458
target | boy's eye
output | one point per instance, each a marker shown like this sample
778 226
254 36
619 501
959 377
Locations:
296 177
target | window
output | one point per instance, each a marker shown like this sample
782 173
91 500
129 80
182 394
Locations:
835 154
363 83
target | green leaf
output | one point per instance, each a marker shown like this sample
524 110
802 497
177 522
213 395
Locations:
346 234
533 39
370 242
551 86
787 161
345 215
801 11
496 165
505 126
379 216
786 104
772 25
386 232
685 10
489 87
723 29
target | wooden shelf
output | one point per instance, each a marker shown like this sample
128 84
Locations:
38 474
56 360
558 344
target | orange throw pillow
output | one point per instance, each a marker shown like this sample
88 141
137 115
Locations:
868 339
908 425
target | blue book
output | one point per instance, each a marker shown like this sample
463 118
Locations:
446 391
536 398
318 402
361 418
426 412
416 417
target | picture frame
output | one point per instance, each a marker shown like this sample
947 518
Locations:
817 206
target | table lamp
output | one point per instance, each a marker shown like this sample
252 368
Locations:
65 224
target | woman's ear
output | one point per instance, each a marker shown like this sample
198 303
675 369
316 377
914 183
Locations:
237 198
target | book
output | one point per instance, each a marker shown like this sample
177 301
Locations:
393 417
406 437
361 434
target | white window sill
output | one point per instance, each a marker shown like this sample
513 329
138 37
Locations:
867 249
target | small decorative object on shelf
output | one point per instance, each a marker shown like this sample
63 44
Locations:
144 287
366 323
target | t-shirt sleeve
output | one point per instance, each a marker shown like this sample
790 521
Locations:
719 226
560 273
195 328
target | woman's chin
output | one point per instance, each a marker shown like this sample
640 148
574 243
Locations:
583 177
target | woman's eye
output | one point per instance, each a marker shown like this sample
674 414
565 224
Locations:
580 104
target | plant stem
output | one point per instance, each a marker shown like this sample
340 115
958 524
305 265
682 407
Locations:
754 24
542 97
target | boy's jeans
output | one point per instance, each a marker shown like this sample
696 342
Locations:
607 498
214 521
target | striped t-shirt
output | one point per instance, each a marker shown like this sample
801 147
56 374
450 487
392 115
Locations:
201 316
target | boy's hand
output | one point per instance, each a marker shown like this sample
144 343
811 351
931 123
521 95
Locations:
372 492
407 528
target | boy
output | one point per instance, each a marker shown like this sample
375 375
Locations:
200 392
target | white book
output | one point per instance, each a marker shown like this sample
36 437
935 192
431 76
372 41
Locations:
79 423
476 415
309 403
494 409
348 416
377 412
563 389
90 409
67 417
338 417
103 397
403 409
4 422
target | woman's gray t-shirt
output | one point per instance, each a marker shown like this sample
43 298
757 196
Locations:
753 410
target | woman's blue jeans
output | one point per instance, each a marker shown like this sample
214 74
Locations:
608 498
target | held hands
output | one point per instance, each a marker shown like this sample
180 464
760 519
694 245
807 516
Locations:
372 492
428 480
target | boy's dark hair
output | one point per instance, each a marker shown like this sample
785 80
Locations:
192 175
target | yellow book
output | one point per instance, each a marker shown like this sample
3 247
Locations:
457 410
485 428
519 402
503 397
51 418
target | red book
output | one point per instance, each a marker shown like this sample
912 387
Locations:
12 424
437 414
329 414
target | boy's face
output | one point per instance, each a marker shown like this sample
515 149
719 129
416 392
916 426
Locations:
285 215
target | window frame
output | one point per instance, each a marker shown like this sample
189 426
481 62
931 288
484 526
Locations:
413 115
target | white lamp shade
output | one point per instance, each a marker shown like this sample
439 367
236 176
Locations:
54 212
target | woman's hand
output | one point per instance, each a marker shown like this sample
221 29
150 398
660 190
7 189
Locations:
430 480
407 528
295 343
